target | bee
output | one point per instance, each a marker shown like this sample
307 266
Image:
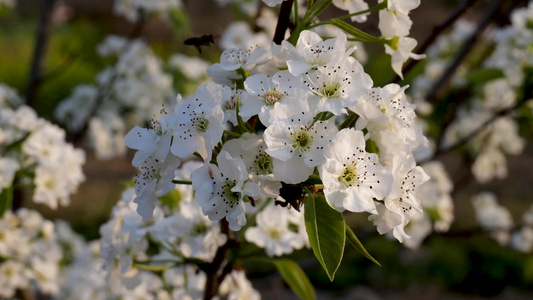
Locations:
292 194
200 41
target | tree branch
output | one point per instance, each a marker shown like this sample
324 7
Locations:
212 269
39 52
283 21
468 45
528 94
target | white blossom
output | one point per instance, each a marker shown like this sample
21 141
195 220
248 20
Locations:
351 176
332 88
404 199
296 141
493 217
155 180
8 167
221 190
197 123
313 52
264 92
353 6
236 286
148 142
401 51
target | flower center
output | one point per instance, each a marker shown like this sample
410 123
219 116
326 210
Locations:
263 164
274 233
231 104
316 52
156 125
237 56
201 124
49 184
272 97
199 228
331 89
302 140
230 196
9 272
349 176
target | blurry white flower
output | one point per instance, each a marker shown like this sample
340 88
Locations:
272 232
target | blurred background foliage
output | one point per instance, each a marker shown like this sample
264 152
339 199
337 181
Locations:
459 264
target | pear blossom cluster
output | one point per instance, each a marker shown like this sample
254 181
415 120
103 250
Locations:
497 221
394 22
500 138
50 259
178 229
235 159
138 85
33 152
30 254
512 54
321 116
491 145
522 239
493 217
133 10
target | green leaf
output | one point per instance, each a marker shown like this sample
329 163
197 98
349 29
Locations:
356 33
295 278
371 147
6 199
316 9
484 75
325 227
358 246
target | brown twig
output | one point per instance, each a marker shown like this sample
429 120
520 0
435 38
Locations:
283 21
435 33
26 294
39 51
528 94
496 12
467 47
213 268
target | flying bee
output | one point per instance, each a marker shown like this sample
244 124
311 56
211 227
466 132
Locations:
200 41
292 194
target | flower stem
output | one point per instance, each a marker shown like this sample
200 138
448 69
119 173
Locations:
231 133
296 13
151 268
350 120
188 182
